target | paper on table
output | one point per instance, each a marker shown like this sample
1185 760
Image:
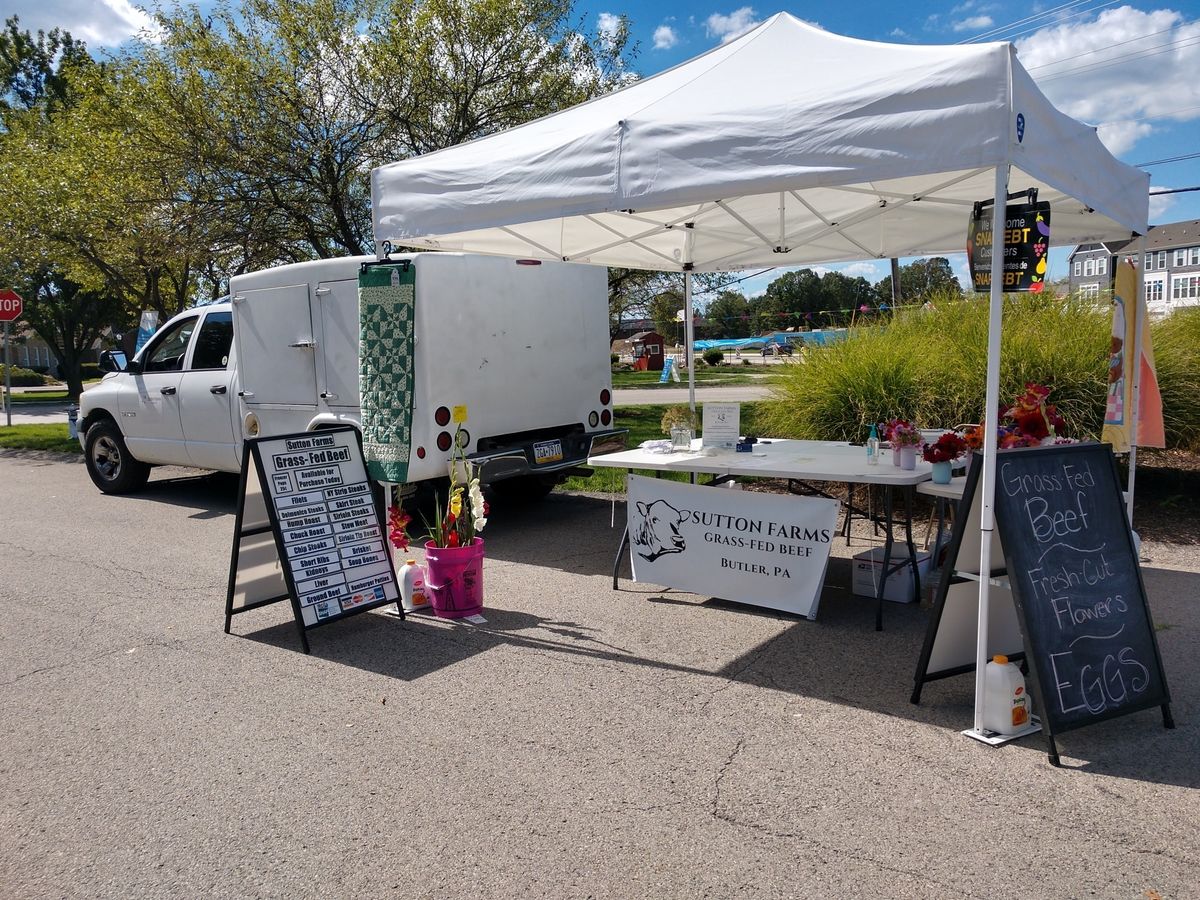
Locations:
722 425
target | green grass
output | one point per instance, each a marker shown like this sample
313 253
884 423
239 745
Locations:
644 424
37 437
1177 361
39 397
709 376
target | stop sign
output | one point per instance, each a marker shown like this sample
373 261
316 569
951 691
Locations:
11 306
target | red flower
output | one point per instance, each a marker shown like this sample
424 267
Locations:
398 521
452 539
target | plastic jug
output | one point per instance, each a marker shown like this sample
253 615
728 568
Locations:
1006 703
412 586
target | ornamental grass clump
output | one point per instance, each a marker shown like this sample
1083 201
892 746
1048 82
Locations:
928 363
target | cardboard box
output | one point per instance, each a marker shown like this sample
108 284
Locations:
868 569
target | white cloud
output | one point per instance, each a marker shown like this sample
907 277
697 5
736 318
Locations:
665 37
898 33
1160 203
1070 64
608 24
733 25
98 23
974 23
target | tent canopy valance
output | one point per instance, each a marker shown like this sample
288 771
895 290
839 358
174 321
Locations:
787 146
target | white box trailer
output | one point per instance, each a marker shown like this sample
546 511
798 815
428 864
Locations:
522 344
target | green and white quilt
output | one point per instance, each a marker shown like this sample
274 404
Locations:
386 305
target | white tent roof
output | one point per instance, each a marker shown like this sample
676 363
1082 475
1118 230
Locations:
787 146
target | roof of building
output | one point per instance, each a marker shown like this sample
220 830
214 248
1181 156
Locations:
1173 234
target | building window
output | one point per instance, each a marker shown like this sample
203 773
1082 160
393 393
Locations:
1162 259
1089 268
1089 291
1194 256
1102 265
1149 262
1155 290
1078 268
1181 256
1185 287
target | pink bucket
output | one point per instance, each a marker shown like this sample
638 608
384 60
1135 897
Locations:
454 579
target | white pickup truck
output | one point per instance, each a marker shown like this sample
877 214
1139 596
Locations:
522 344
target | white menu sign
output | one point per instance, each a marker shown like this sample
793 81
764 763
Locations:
721 425
328 529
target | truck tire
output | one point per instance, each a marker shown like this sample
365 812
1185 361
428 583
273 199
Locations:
109 462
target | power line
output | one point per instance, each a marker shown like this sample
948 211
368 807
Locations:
1059 21
1169 159
1043 15
1105 47
1124 58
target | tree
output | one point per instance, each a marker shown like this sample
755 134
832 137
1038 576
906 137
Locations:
727 316
284 106
920 278
33 70
666 310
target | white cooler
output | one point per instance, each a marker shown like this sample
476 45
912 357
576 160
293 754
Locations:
868 569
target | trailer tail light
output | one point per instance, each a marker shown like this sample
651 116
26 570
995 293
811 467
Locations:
606 417
420 453
605 396
442 416
593 419
464 438
444 441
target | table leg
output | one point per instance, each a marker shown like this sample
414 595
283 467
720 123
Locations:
620 551
887 556
912 550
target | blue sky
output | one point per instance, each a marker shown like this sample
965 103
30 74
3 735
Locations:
1130 68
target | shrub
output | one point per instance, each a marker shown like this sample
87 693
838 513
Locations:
1177 359
23 377
930 366
613 359
90 371
714 357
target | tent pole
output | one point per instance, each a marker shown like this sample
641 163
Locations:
689 336
990 431
1135 394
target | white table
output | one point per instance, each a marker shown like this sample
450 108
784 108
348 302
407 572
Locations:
794 460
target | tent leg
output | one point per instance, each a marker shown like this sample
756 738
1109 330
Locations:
991 428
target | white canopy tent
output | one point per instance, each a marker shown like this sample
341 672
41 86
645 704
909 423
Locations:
788 146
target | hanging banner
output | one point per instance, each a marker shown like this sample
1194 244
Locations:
765 549
1026 240
1118 410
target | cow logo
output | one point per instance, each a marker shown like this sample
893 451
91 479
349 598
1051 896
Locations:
658 532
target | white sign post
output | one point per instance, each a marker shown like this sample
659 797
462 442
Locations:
763 549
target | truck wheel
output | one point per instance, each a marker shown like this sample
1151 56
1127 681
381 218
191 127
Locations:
109 462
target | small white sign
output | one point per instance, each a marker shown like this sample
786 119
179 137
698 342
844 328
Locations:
722 425
765 549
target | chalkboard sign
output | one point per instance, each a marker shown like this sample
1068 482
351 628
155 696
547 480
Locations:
1078 587
308 529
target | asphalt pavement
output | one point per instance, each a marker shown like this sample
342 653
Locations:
581 743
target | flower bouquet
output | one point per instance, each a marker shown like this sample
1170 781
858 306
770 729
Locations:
904 438
942 453
1029 421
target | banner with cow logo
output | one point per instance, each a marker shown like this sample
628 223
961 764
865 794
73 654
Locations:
765 549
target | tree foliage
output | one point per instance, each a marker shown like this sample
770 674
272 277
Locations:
921 278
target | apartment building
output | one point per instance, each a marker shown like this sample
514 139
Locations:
1170 262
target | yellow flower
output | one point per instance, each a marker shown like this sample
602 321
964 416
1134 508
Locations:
456 503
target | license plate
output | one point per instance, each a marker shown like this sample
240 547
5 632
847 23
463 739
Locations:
547 452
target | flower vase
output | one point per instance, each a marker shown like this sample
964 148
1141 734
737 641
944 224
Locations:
908 458
454 579
941 472
895 455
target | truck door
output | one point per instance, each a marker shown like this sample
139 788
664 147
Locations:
205 404
276 350
338 302
149 398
